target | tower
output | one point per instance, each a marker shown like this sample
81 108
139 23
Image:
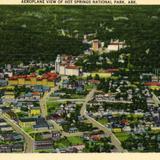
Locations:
95 45
57 64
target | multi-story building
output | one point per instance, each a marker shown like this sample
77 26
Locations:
65 66
116 45
47 79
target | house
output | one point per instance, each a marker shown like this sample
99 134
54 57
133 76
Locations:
73 129
6 137
3 82
5 148
6 128
116 45
9 95
35 111
4 109
45 144
17 148
72 70
2 122
46 135
41 124
27 122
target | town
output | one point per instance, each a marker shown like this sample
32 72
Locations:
80 104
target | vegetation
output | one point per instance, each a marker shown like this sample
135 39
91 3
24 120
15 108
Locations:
41 32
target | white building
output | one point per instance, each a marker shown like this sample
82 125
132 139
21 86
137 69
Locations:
67 68
72 70
116 45
57 64
62 70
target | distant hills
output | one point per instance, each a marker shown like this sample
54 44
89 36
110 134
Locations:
42 32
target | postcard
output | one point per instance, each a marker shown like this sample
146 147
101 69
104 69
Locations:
79 79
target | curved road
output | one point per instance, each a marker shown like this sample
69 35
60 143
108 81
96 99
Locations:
114 139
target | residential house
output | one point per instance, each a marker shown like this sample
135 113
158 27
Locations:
34 111
41 124
46 144
27 122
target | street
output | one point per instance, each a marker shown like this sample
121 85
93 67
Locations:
29 141
114 139
43 103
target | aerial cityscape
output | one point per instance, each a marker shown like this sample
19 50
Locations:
82 79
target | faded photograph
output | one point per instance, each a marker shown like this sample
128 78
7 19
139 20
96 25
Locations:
79 79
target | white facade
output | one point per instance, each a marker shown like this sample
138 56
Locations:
116 45
62 70
57 64
72 72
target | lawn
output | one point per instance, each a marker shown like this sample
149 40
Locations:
62 143
52 106
27 129
122 136
101 74
103 121
75 140
89 87
76 96
69 141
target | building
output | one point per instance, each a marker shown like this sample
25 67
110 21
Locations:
96 44
116 45
64 65
47 79
72 70
57 64
41 124
35 111
9 95
27 122
45 144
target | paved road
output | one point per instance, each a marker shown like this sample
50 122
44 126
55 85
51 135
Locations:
57 127
116 101
66 134
43 103
67 100
114 139
29 141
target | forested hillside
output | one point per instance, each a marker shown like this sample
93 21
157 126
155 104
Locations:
42 32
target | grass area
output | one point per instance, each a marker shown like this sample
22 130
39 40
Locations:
101 74
43 151
62 143
89 87
103 121
122 136
75 140
76 96
66 142
135 116
28 130
52 106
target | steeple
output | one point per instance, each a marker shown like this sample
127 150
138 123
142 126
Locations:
57 64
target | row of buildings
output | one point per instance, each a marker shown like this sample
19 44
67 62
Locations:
47 79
